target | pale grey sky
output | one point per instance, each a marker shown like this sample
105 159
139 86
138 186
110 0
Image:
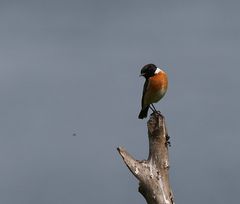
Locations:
72 67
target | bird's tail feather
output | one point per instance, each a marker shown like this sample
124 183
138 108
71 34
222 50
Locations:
143 113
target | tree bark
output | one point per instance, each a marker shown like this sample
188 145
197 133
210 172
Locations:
153 173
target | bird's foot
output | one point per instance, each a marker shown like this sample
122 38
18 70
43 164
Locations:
157 113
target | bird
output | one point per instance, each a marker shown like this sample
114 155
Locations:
155 87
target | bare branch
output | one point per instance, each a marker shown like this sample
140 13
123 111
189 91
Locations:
153 173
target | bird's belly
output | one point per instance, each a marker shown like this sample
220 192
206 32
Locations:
154 97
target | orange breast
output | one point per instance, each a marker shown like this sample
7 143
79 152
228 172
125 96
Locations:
159 81
156 89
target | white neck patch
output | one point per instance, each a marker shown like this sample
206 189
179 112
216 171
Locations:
157 71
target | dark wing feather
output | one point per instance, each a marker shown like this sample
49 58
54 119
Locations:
144 111
144 91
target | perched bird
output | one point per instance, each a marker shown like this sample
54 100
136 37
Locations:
154 89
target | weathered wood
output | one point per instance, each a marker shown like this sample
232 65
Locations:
153 173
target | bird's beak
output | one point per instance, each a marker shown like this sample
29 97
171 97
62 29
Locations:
141 74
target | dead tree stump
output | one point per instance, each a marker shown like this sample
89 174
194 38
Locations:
153 173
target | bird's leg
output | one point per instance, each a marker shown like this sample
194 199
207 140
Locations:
151 108
155 110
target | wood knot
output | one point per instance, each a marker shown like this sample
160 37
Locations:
168 143
166 165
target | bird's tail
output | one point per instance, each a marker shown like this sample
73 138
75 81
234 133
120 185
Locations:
143 113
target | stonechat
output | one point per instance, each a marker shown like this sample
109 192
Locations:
154 89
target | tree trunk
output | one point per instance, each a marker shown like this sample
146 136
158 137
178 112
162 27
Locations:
153 173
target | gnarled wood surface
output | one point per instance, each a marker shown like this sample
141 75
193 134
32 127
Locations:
153 173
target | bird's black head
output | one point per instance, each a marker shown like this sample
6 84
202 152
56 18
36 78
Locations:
148 70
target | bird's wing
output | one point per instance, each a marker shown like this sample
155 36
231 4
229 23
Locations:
144 91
